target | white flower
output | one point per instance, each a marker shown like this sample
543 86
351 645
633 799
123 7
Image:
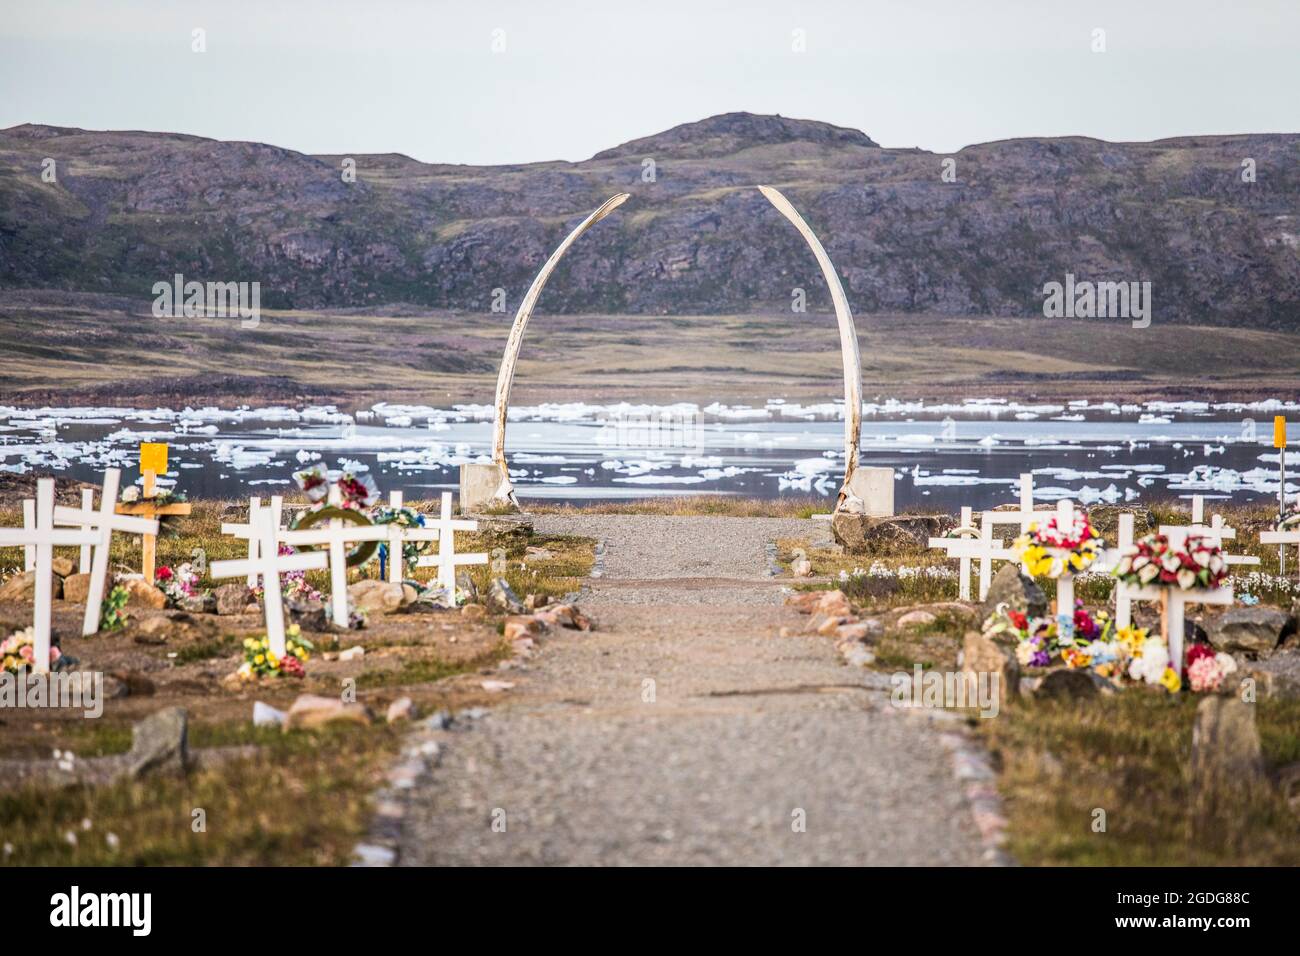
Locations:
1154 660
1148 574
1186 579
1227 663
1125 566
1170 561
130 494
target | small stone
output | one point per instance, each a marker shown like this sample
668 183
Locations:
1255 631
159 743
522 625
231 598
916 619
370 854
1068 683
402 709
264 715
409 595
154 627
834 603
62 566
496 686
311 711
856 654
354 653
140 593
19 587
857 631
376 597
501 598
473 612
76 588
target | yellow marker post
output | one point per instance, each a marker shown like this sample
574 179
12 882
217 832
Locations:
153 462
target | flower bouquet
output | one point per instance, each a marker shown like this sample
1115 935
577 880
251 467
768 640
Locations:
1197 565
1206 670
177 583
406 518
1047 549
261 661
18 651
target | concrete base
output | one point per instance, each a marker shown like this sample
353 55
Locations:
875 486
478 487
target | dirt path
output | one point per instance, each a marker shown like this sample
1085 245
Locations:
685 731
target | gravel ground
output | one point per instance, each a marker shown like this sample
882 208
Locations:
685 731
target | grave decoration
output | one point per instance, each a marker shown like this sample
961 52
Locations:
336 519
103 523
237 530
261 660
447 559
44 537
1060 547
962 543
1175 569
407 537
268 567
1285 531
151 502
178 584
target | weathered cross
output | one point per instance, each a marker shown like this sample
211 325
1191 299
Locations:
236 530
336 535
447 559
1216 531
268 566
398 535
103 523
1173 600
959 545
44 537
148 508
1282 539
1023 516
29 521
1065 580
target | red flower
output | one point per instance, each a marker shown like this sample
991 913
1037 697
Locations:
164 573
1018 619
1197 651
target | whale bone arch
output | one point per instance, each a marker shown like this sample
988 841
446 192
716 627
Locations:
852 361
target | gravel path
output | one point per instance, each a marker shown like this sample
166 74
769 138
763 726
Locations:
685 731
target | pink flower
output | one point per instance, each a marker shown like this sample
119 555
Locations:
1204 674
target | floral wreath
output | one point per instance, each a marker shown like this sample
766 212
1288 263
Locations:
356 495
1049 550
1154 560
407 518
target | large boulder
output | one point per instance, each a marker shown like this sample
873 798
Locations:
898 534
983 655
1017 591
1255 631
159 743
1068 683
140 593
376 597
231 598
21 587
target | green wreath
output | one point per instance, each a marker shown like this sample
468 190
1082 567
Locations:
357 556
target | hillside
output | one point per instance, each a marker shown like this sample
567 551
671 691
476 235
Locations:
132 208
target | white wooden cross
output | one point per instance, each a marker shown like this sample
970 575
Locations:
103 523
268 566
959 546
447 559
236 530
1216 531
1023 516
1173 601
1065 581
29 522
1281 538
336 535
44 537
398 535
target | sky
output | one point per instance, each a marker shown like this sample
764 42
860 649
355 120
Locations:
498 81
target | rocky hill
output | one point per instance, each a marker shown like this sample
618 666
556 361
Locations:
129 209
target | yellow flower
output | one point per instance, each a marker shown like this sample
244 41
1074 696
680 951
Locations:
1170 681
259 660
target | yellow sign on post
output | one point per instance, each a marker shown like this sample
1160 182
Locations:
1279 431
153 457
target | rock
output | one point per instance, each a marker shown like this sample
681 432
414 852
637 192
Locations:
1278 676
140 593
804 601
158 627
916 618
352 653
134 684
62 566
856 631
409 595
231 598
264 715
521 625
465 582
402 709
159 743
308 615
473 612
496 686
376 597
1068 683
1105 521
564 615
1255 631
982 655
1226 758
19 587
898 534
311 711
1017 591
833 604
856 654
76 588
501 598
198 604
